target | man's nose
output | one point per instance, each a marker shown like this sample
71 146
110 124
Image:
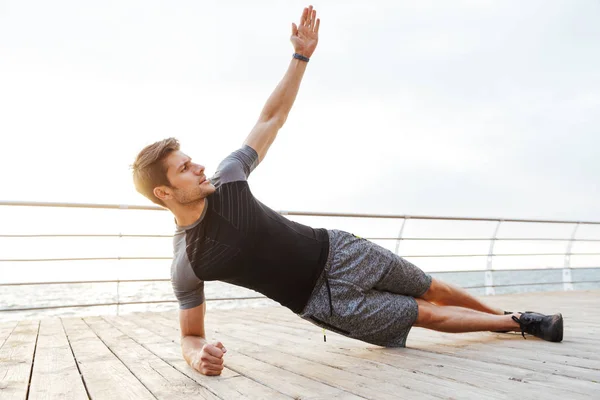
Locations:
199 169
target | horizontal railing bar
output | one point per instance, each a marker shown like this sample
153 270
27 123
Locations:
79 282
369 238
79 205
294 213
168 280
404 256
503 255
496 255
527 284
426 217
87 235
488 239
121 304
83 259
508 270
238 298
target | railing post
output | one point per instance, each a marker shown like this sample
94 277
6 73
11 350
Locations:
489 278
400 235
120 247
118 297
566 273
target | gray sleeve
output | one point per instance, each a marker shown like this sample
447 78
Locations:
236 166
188 289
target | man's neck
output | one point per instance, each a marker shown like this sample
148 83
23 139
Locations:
188 214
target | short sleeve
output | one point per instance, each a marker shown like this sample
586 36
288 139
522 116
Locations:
187 287
236 167
189 297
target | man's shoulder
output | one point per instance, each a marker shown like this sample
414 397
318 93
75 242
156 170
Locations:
236 167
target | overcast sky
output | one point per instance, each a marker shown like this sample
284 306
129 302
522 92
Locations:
461 108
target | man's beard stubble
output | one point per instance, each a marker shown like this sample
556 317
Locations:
191 196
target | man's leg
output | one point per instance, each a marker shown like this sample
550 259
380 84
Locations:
459 319
446 294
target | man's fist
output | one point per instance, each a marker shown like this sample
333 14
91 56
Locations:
209 361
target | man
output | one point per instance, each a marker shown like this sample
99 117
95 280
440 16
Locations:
332 278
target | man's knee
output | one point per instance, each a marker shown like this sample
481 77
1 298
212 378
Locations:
427 313
437 290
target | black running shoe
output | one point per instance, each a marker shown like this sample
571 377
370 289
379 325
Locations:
505 313
547 327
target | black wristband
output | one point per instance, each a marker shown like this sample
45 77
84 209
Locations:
301 57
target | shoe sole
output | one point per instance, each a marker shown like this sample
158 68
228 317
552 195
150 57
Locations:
558 319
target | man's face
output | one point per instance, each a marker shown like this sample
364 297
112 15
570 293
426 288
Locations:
188 181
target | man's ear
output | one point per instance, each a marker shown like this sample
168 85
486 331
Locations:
162 192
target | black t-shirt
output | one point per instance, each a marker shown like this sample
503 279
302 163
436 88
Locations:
241 241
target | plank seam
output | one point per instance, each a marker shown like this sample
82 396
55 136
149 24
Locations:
37 335
149 350
340 388
165 322
118 358
11 332
505 363
75 358
241 374
303 357
256 380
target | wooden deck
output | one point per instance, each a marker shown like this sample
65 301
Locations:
274 354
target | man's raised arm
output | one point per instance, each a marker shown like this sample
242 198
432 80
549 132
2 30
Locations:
304 37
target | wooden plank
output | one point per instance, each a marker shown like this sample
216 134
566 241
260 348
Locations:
511 347
554 375
428 375
230 385
530 352
167 349
397 381
557 383
561 354
275 354
291 384
306 360
105 376
55 374
156 375
569 347
330 376
6 329
558 373
511 380
16 360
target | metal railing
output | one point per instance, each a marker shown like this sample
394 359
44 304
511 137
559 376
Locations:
567 281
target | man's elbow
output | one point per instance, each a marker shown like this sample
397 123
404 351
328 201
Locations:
280 121
275 120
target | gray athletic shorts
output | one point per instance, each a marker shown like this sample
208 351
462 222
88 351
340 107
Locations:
372 292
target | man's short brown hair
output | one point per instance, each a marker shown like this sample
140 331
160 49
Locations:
149 169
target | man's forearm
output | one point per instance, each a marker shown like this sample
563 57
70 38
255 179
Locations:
281 100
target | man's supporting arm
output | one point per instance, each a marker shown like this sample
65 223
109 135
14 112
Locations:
276 110
204 357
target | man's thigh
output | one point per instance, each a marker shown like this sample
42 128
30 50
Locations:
377 317
405 278
370 266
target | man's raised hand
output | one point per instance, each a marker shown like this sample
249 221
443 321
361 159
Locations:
209 361
305 36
